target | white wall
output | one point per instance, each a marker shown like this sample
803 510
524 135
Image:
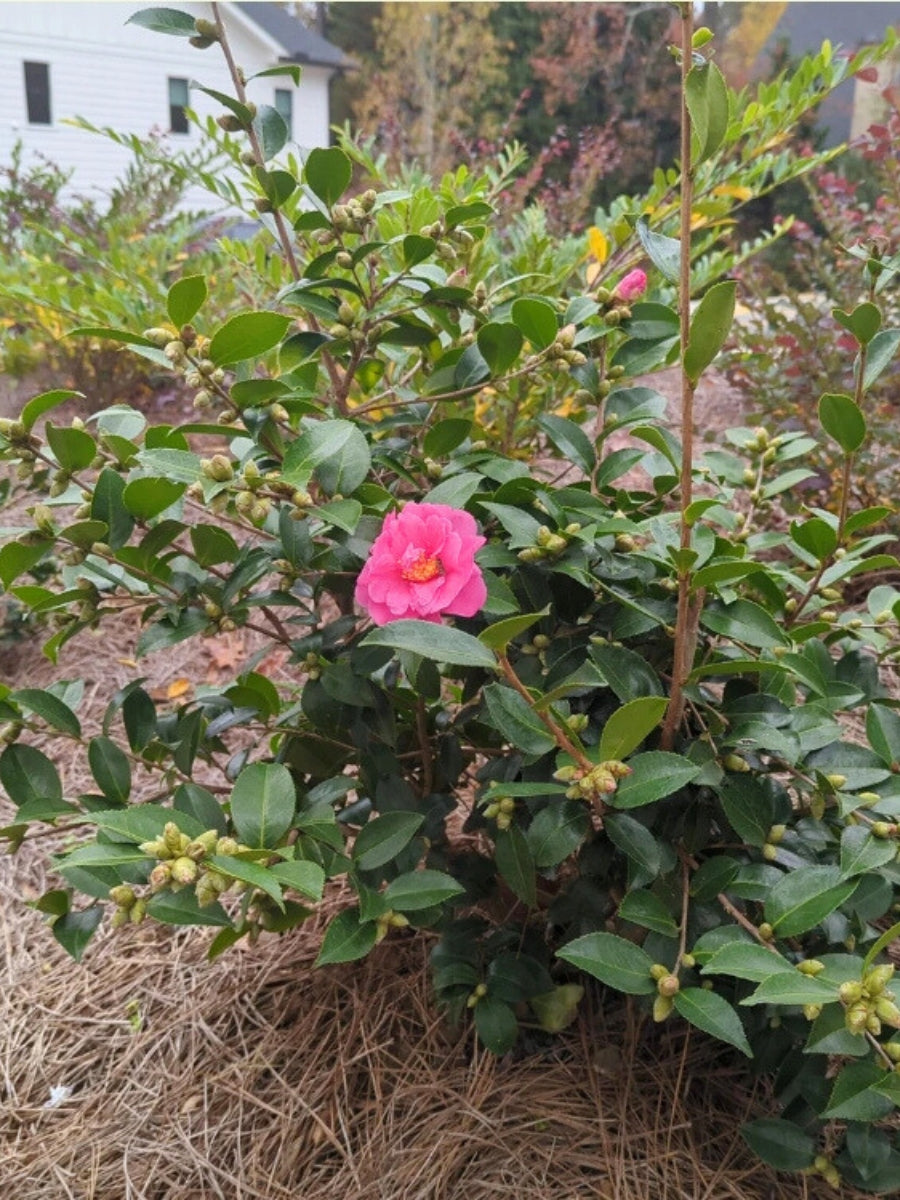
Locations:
116 75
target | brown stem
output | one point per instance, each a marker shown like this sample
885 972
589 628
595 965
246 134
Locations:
560 736
424 746
688 614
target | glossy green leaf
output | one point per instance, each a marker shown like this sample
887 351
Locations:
654 774
842 420
164 20
501 633
18 557
49 708
27 774
515 862
635 841
747 960
816 536
272 133
499 343
328 173
749 806
744 622
336 452
145 822
384 838
263 803
805 897
416 890
446 435
46 401
613 960
347 939
714 1015
536 321
146 498
250 873
706 93
305 877
570 440
863 322
74 448
516 720
861 852
630 725
110 768
780 1143
664 252
440 643
246 336
882 349
793 988
853 1098
108 506
557 831
185 298
496 1025
73 930
182 908
710 326
646 909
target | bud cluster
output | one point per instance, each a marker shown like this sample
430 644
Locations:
601 780
549 544
181 863
501 810
388 921
868 1003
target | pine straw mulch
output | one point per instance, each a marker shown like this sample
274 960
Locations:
257 1078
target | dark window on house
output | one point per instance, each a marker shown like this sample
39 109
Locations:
37 92
284 104
178 100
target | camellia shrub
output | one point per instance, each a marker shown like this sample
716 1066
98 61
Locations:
574 713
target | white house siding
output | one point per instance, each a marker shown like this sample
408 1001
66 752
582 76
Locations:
114 74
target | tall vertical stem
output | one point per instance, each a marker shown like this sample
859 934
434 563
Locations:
685 622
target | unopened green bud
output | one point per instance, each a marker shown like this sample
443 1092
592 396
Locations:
888 1012
662 1008
138 911
227 846
668 985
659 971
218 468
766 932
876 980
734 762
882 829
856 1018
160 877
206 29
174 351
184 870
810 966
812 1011
123 895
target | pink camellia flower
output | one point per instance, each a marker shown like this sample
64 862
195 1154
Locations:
633 285
422 565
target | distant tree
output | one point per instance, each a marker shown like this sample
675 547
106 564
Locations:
434 64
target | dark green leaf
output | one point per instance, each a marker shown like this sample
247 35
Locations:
793 988
882 349
308 878
27 774
49 708
335 451
748 960
16 558
110 768
146 822
653 775
864 322
853 1098
181 908
714 1015
263 803
499 343
861 852
38 405
108 506
781 1144
646 909
383 839
446 435
272 132
613 960
516 720
710 326
805 897
635 841
557 831
73 930
706 93
251 873
496 1024
570 440
744 622
515 863
440 643
74 448
501 633
749 806
415 890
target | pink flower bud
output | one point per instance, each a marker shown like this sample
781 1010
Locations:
631 287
